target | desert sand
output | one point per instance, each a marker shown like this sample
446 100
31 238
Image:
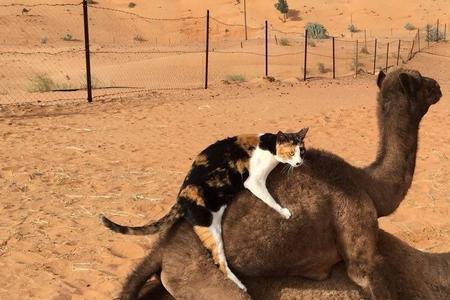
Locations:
64 163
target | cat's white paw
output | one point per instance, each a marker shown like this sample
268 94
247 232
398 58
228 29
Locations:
285 213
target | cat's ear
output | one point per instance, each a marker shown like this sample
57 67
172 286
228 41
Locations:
281 137
302 133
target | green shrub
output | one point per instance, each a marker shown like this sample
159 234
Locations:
409 26
354 66
432 35
67 37
43 83
316 31
364 50
235 78
352 28
321 68
283 7
284 42
139 38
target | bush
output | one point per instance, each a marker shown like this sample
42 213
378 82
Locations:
322 69
311 43
409 26
67 37
432 35
352 28
364 50
354 66
43 83
139 38
316 31
131 5
44 40
234 78
284 42
283 7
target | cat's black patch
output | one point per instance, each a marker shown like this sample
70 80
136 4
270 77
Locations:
268 141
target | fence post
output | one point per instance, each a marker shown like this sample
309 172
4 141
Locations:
437 30
334 61
87 51
267 49
418 38
207 49
306 54
375 57
365 38
398 51
356 59
387 56
245 19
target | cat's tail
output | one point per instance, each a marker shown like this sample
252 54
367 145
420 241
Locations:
165 222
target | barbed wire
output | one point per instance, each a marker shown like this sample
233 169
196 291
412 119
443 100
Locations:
143 17
41 52
236 25
41 4
148 52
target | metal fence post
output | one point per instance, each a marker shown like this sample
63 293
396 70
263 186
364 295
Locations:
245 19
356 59
418 39
267 49
306 54
87 51
398 51
207 49
334 60
375 57
437 30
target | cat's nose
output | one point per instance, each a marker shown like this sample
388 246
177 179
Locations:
297 164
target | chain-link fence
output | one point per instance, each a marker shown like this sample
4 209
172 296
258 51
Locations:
42 55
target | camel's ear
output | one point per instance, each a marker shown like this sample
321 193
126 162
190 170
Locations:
281 137
302 133
409 84
380 78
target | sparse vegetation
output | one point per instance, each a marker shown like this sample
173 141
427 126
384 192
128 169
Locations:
409 26
44 40
432 35
316 31
322 69
352 28
283 7
364 50
284 42
139 38
234 78
311 43
43 83
354 65
67 37
131 5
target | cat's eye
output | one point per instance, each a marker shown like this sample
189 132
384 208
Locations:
291 153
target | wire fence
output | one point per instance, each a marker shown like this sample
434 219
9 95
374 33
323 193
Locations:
43 52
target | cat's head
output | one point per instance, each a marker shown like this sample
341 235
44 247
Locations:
290 147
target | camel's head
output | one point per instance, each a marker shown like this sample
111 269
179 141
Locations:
407 90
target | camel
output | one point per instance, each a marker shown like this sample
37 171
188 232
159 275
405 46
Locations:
415 274
334 208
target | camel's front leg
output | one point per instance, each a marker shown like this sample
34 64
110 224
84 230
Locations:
357 228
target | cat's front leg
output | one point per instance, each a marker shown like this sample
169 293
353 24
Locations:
259 189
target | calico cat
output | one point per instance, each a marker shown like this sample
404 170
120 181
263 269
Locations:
218 173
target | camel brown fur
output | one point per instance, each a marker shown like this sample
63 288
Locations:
415 275
334 205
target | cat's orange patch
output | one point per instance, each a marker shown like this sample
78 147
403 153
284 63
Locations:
248 141
194 194
240 165
285 150
209 242
201 160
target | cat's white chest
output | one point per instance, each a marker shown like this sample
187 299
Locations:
261 163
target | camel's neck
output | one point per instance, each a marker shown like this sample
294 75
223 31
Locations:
391 174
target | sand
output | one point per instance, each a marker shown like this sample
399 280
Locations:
63 164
